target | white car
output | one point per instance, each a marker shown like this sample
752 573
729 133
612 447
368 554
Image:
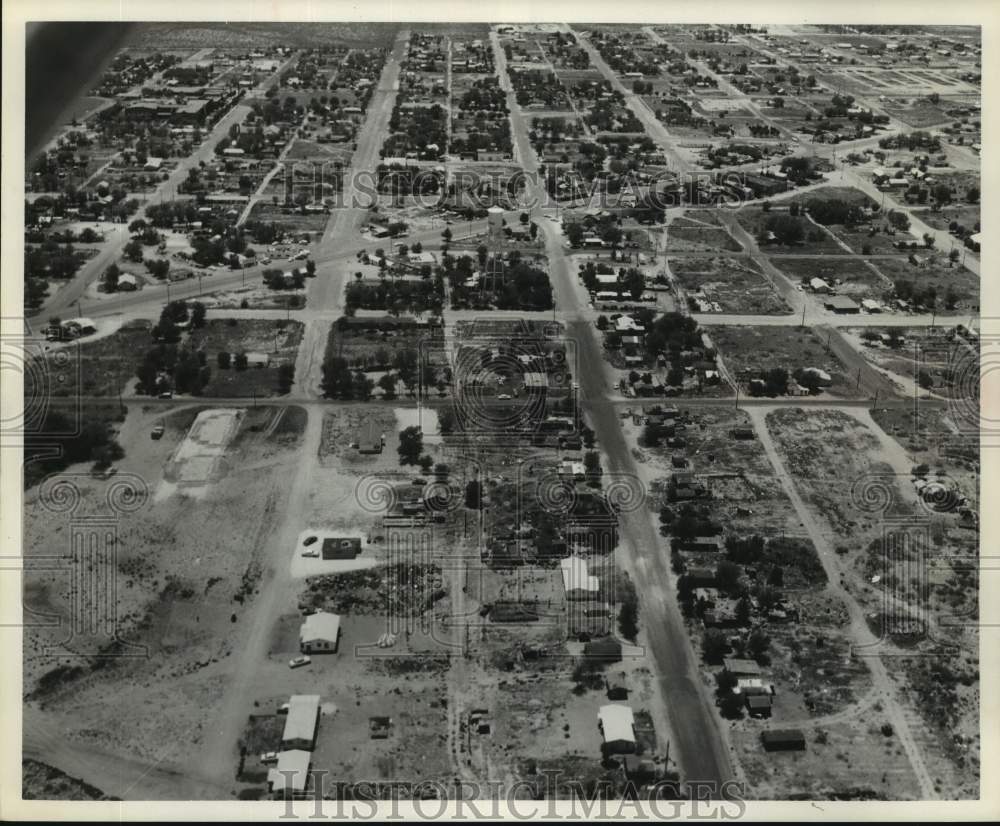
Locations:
311 553
505 396
269 757
298 662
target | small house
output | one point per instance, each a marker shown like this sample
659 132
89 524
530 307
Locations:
320 633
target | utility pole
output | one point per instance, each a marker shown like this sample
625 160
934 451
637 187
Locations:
875 401
803 322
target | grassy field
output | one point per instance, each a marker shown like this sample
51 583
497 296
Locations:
100 368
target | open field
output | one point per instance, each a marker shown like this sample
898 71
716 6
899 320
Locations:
179 599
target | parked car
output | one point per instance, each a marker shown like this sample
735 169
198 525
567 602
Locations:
310 552
505 396
298 662
157 431
269 757
167 394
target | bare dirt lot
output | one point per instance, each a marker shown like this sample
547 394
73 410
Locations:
180 595
736 284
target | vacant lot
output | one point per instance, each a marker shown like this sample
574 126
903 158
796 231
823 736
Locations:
929 358
849 276
179 598
278 340
735 284
747 351
98 368
956 287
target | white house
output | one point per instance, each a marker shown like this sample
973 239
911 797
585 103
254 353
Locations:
320 633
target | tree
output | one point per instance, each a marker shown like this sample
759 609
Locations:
714 645
727 575
310 268
197 315
446 234
286 377
411 445
473 495
110 278
628 615
224 360
758 643
362 386
240 361
388 385
426 463
133 251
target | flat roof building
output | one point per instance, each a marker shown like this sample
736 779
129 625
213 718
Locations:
301 722
291 775
617 724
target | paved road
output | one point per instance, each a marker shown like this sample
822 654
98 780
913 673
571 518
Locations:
654 127
697 745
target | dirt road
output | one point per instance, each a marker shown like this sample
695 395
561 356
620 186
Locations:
859 630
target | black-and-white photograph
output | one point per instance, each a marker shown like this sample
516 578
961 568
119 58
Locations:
521 413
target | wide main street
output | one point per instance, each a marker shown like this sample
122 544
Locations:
698 743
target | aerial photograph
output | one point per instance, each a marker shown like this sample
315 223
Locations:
455 411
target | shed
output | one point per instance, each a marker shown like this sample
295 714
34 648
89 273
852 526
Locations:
616 686
341 547
320 633
841 304
617 724
301 722
759 705
607 649
787 739
127 282
741 667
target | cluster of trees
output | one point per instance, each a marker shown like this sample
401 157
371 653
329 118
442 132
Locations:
416 129
340 381
926 296
168 366
83 434
630 280
411 449
828 211
396 296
